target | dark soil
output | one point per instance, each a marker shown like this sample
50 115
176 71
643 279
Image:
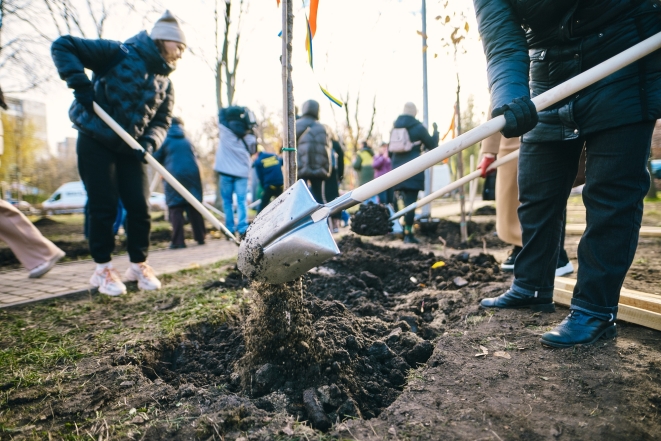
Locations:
480 234
371 220
487 210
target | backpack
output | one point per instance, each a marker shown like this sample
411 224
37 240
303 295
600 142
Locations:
400 141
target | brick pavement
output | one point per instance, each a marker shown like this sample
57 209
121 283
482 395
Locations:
73 277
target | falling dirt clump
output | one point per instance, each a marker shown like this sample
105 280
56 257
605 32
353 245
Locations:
371 220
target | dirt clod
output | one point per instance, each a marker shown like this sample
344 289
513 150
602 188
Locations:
371 220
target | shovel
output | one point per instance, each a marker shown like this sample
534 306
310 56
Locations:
291 235
163 172
456 184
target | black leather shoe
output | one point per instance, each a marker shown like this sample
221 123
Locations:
514 300
578 329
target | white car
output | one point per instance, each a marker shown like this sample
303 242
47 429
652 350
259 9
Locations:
157 201
68 198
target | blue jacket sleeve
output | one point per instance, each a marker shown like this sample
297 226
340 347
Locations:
506 50
72 55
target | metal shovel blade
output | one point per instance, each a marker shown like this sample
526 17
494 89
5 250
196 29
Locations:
284 241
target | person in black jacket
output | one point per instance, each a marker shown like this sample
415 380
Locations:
531 47
178 157
332 184
421 139
130 82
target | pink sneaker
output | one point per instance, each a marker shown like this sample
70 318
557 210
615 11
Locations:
108 281
144 275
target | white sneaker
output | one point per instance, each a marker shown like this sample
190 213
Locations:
563 270
48 265
144 275
108 281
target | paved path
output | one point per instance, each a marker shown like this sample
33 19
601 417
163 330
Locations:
73 277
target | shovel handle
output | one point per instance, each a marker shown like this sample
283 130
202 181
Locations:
160 169
454 185
496 124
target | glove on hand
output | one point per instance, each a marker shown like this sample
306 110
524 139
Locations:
140 154
435 126
85 96
484 165
520 117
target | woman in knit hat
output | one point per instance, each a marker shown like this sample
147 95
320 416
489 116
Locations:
130 82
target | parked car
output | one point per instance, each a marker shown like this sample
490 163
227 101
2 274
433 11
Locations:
656 168
23 206
68 198
157 201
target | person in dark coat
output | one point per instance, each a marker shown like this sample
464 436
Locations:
313 149
531 47
332 184
268 167
130 82
421 140
178 157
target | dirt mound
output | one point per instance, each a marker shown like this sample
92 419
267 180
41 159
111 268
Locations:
487 210
479 233
45 221
233 280
371 220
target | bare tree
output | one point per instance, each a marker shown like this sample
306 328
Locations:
227 48
355 133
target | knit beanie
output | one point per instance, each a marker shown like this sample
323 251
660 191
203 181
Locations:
410 109
167 28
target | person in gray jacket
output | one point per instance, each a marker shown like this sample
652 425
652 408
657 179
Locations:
236 146
314 147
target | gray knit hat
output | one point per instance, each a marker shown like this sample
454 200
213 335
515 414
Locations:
410 109
167 28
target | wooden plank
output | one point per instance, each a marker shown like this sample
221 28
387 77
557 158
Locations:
638 299
626 313
644 231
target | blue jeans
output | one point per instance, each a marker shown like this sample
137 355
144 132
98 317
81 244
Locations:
616 183
230 185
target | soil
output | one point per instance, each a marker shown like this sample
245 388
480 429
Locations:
447 232
371 220
381 342
487 210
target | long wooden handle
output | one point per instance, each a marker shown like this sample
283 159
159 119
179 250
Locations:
496 124
454 185
160 169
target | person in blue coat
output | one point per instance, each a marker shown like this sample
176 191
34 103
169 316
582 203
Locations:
268 167
178 157
532 46
422 141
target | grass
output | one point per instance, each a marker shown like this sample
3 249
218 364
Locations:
42 343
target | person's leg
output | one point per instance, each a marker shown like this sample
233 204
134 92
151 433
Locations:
31 248
564 265
197 224
226 192
546 172
316 188
133 186
410 197
97 167
241 189
177 222
617 181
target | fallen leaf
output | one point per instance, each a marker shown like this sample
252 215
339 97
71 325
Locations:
392 431
438 264
288 431
483 349
582 424
502 354
545 378
481 354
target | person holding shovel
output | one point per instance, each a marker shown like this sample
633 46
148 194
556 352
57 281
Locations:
531 47
130 82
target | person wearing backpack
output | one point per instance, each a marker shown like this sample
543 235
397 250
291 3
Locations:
314 145
236 146
408 139
130 82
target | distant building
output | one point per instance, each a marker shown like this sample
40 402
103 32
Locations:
32 111
66 150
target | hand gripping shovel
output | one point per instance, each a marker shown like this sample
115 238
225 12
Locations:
291 236
163 172
456 184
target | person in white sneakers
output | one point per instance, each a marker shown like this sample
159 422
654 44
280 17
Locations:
131 83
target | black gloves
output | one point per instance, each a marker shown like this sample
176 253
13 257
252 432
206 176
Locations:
520 117
85 96
435 127
149 148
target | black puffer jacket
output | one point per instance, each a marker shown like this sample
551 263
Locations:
563 38
313 144
177 156
417 133
136 91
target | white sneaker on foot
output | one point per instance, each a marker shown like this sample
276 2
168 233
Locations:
48 265
144 275
108 281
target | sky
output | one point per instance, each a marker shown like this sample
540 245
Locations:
371 47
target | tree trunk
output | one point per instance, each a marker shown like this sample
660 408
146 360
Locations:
460 174
289 123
